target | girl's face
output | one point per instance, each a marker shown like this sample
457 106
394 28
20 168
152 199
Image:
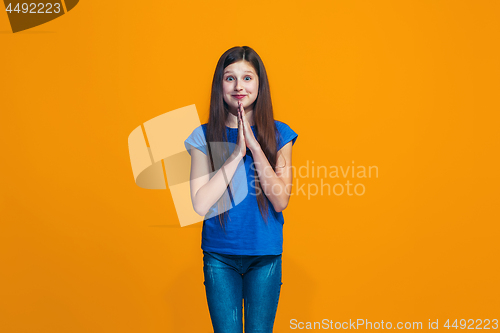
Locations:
240 83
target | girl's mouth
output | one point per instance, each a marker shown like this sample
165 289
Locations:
239 96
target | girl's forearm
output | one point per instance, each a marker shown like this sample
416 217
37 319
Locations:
274 188
212 191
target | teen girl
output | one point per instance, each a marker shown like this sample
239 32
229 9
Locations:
241 179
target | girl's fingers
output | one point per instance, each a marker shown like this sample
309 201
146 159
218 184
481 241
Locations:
241 123
240 106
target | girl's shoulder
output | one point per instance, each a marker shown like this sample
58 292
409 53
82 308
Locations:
279 124
197 139
283 128
285 133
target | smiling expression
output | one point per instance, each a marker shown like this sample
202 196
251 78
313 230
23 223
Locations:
240 83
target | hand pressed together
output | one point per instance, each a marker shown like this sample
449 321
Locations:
241 148
245 132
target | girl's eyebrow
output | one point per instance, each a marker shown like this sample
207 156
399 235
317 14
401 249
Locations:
245 72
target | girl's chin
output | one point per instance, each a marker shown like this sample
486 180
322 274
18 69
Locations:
234 104
233 107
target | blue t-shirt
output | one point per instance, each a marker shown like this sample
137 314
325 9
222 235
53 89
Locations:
246 232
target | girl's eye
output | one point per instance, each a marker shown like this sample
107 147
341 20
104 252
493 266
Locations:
230 77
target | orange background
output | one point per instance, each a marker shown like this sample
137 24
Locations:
408 86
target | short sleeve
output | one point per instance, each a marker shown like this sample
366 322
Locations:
196 140
286 134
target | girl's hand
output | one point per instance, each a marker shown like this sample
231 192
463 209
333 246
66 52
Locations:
241 148
251 141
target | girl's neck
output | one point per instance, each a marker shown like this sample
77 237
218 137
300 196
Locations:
232 120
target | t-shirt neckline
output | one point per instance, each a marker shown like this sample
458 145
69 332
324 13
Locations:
237 127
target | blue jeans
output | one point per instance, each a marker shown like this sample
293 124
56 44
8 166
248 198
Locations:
232 279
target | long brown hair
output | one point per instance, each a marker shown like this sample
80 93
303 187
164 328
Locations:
263 117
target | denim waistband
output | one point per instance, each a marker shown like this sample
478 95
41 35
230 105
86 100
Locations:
233 256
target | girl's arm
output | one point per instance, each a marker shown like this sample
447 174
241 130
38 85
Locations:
205 192
277 185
